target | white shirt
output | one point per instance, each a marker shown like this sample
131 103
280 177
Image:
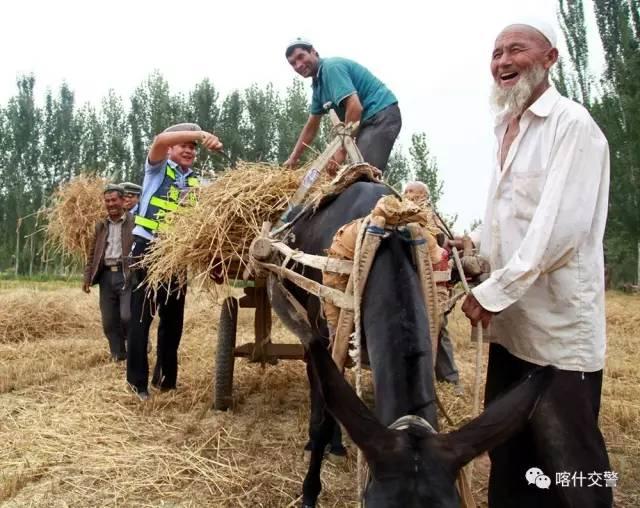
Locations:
542 233
113 251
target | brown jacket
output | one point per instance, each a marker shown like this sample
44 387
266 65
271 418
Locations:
95 259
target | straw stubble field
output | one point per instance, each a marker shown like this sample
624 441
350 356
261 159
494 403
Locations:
72 436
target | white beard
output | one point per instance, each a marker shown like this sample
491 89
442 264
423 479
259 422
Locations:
512 100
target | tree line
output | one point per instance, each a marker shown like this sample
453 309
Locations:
613 98
46 142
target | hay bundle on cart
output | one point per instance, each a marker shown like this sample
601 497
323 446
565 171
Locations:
211 239
71 217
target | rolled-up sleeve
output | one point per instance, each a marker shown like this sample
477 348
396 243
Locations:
339 82
562 219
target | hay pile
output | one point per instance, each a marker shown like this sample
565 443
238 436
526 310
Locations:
75 208
213 237
74 436
28 315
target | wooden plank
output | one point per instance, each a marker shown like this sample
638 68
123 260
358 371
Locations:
280 351
261 324
244 350
323 263
338 298
248 300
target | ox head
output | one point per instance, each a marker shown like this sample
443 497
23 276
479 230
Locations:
414 467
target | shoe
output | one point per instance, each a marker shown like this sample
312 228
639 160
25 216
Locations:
143 394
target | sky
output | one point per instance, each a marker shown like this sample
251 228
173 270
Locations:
433 55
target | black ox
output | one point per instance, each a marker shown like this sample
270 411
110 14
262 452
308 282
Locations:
411 467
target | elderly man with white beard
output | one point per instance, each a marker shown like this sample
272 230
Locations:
544 301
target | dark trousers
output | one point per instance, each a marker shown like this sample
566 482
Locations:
562 436
170 307
377 135
115 308
446 369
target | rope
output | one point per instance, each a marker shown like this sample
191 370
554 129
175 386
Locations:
477 380
357 334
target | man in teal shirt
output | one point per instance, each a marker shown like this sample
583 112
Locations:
355 94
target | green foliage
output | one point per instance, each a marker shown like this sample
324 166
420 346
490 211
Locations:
424 167
40 147
231 129
616 109
262 118
293 114
420 165
475 224
397 173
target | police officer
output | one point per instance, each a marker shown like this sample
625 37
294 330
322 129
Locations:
168 183
132 193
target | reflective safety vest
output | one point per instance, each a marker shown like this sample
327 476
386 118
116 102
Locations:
164 200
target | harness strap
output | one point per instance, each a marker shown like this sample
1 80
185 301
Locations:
428 284
406 421
338 298
300 310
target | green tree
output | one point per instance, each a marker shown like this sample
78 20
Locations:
116 132
398 171
202 108
617 111
24 187
231 128
577 84
261 105
153 109
94 155
424 166
60 147
292 116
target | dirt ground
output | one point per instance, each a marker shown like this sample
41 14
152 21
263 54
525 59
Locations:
73 436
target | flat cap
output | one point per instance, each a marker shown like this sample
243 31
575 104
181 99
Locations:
131 188
179 127
113 187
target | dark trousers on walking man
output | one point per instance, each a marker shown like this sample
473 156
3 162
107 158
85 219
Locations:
168 303
115 308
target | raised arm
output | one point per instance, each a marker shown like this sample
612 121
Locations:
164 140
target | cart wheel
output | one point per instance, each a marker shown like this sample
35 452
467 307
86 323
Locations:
223 384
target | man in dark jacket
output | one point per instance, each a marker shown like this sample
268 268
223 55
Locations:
107 266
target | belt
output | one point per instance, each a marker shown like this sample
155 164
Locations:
114 268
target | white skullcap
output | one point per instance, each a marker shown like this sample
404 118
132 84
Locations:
541 26
299 41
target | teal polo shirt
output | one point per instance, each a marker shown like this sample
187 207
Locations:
338 78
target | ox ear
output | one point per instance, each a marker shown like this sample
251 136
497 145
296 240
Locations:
345 405
502 418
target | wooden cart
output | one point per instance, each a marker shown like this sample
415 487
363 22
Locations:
262 350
